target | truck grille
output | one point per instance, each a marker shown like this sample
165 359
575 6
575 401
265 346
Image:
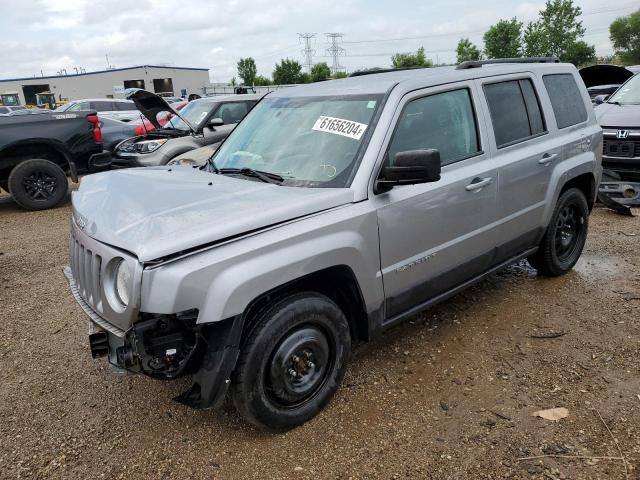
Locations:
87 267
621 148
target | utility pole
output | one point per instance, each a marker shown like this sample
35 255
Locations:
307 51
335 50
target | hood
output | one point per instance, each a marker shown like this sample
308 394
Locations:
622 116
605 75
155 212
150 105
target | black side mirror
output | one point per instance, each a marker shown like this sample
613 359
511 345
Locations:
598 99
411 167
215 122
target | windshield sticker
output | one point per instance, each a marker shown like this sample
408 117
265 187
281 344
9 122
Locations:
371 104
339 126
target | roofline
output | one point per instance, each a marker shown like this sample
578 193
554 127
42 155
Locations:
101 71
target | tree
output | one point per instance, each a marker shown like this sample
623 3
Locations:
504 39
320 72
305 78
340 75
580 53
557 32
466 51
247 70
261 81
624 33
404 60
287 72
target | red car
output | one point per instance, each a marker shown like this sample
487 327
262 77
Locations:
142 128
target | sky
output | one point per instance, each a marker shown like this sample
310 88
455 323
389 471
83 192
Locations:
44 36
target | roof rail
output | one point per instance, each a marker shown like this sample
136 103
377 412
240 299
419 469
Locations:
480 63
371 71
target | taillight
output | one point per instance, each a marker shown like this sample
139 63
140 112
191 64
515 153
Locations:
97 133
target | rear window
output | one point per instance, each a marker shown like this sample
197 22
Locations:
566 100
515 111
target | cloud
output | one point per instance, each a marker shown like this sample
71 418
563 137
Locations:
51 34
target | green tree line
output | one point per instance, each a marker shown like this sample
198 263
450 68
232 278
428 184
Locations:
557 32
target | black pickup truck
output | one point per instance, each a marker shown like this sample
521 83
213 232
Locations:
37 152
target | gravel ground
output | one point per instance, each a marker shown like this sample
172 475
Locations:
448 395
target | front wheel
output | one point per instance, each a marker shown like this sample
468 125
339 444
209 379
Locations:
38 184
565 237
292 361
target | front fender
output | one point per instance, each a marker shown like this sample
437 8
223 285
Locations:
222 281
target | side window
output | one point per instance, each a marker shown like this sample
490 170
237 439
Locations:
102 106
515 111
445 121
232 112
125 106
566 100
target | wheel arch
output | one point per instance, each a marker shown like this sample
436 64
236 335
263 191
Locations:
16 153
586 183
338 283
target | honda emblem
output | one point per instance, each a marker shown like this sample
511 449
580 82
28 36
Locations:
622 134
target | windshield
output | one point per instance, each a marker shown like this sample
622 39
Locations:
194 112
629 93
309 141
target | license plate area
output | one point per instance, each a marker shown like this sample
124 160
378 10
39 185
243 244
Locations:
99 344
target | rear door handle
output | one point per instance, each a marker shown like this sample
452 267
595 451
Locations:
478 183
547 158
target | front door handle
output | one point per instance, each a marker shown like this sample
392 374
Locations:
547 158
478 183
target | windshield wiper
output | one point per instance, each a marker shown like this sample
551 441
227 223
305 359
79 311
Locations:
266 177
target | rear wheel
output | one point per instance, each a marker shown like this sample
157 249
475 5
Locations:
38 184
4 185
292 361
565 237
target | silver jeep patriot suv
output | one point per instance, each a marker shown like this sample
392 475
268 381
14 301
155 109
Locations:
331 213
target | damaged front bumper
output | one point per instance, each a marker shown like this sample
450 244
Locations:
168 347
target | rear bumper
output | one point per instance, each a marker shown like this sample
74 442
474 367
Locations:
99 161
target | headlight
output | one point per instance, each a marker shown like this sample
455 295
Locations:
148 146
182 161
123 282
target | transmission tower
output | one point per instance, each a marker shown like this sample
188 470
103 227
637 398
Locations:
335 50
307 51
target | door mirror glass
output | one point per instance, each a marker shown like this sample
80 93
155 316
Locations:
599 99
215 122
411 167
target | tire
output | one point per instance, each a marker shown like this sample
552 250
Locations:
292 361
38 184
4 185
565 236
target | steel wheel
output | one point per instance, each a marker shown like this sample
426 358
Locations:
299 366
569 226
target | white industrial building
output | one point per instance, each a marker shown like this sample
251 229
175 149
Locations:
177 81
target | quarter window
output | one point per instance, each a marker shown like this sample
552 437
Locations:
566 100
444 121
515 111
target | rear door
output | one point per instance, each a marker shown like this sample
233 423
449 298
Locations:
525 152
434 236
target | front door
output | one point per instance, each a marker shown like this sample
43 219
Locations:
434 236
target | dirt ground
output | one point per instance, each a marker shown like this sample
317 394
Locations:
448 395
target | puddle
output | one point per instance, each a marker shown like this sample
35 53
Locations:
601 266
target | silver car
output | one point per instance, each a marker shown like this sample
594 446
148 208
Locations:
113 108
331 213
201 122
